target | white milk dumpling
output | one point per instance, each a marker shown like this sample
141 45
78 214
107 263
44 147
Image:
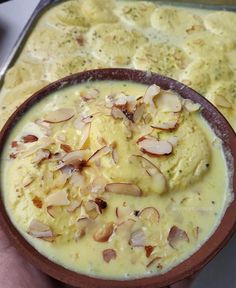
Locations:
175 21
98 11
223 95
205 43
68 13
114 43
73 65
222 23
23 71
136 13
15 97
163 58
212 69
49 43
118 172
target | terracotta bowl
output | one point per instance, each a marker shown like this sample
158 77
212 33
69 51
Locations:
187 268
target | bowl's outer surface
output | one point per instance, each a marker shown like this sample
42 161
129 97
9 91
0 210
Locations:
187 268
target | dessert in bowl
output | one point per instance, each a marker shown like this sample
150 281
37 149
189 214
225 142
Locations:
118 175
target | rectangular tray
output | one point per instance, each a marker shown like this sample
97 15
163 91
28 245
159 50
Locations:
44 5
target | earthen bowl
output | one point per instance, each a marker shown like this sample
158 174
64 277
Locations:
187 268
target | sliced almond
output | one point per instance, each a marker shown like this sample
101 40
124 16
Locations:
190 106
67 170
123 188
98 184
52 211
173 140
176 235
88 119
79 124
104 233
61 137
152 170
196 231
77 180
169 102
28 180
65 147
89 94
115 155
41 155
149 249
101 204
153 262
108 255
138 113
137 238
37 202
149 214
14 144
13 155
85 135
116 113
30 138
44 143
149 95
125 226
91 209
99 153
222 101
101 141
120 99
42 124
39 229
146 164
74 204
169 126
75 158
82 224
59 115
123 212
110 100
58 198
155 147
61 179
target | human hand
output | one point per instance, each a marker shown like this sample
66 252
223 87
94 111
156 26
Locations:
17 272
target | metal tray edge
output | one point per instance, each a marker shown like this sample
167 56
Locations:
45 4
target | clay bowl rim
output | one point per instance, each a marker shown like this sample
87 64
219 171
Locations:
185 269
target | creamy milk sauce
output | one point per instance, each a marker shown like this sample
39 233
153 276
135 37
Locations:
184 193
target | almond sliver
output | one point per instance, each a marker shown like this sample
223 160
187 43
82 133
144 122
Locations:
123 188
149 95
58 198
169 102
152 170
39 229
175 235
166 125
137 238
74 204
190 106
222 101
59 115
99 153
149 214
155 147
85 135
